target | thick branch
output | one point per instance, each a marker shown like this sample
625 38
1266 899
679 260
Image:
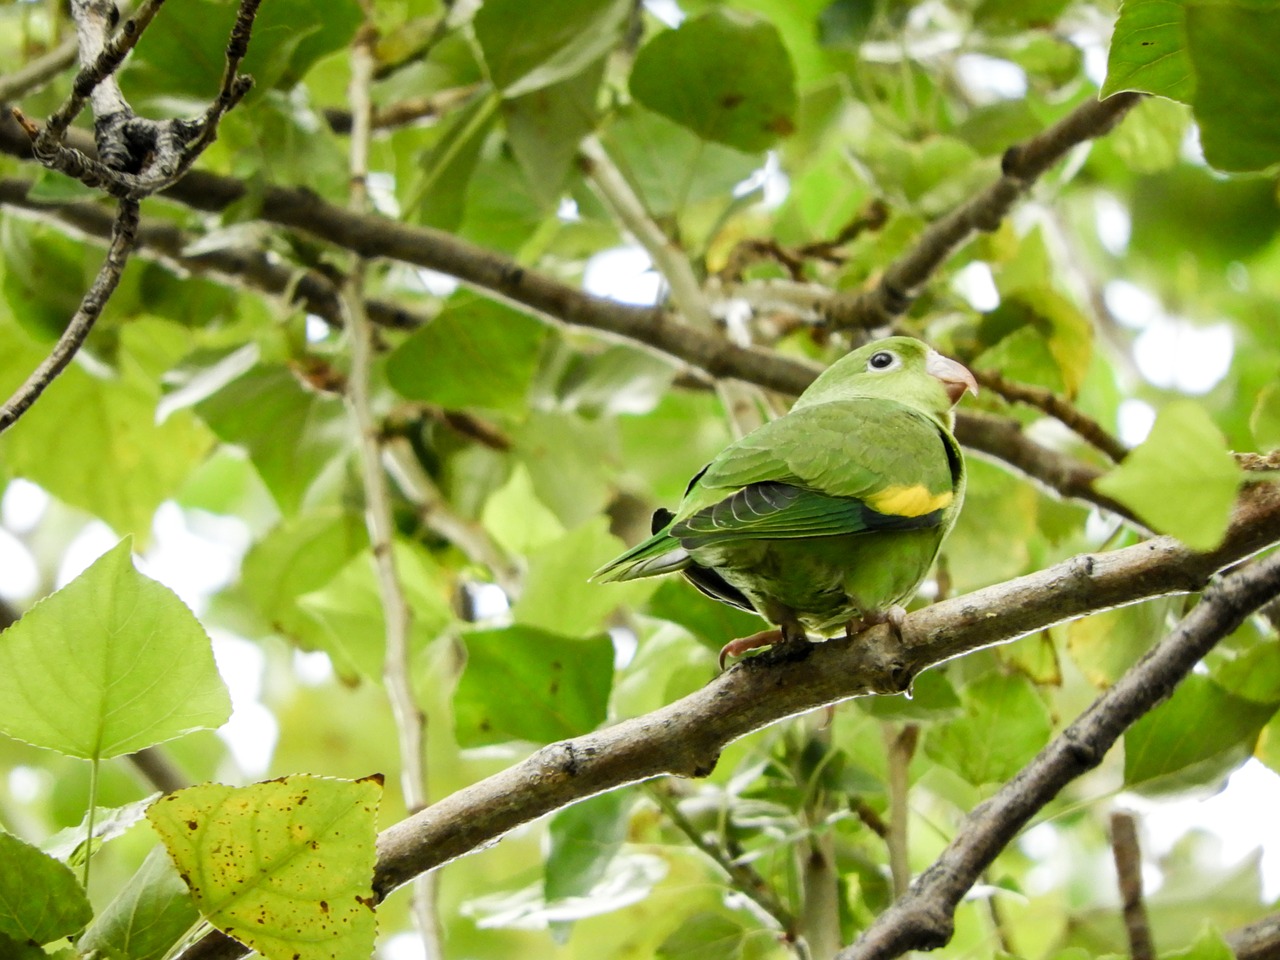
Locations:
1021 166
1257 941
104 284
924 919
685 738
241 266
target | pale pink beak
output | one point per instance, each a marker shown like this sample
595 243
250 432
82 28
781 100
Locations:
954 376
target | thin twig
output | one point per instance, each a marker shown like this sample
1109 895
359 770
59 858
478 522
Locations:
1128 858
744 877
924 919
36 74
1070 416
438 516
1021 166
900 747
123 237
404 112
410 719
159 770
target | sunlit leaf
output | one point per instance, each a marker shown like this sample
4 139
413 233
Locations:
1181 479
293 434
111 663
1148 51
285 867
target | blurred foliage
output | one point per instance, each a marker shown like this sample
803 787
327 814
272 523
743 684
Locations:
1139 281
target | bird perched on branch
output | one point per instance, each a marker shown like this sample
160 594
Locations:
828 518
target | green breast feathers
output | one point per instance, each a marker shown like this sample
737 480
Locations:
828 518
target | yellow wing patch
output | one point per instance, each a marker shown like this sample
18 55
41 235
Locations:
912 501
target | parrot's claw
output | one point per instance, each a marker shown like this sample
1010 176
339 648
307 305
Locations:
762 638
786 634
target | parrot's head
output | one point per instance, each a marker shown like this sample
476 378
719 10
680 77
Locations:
898 368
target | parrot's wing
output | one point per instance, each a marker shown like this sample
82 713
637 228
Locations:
835 468
772 510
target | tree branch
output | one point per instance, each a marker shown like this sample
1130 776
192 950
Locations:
685 738
1020 167
539 293
1083 426
38 73
1128 858
744 877
123 237
924 919
1257 941
242 266
397 677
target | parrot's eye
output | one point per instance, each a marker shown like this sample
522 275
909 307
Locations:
884 360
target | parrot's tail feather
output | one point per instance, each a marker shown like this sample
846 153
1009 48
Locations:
643 563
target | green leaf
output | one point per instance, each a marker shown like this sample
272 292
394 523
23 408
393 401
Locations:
40 898
724 75
43 276
12 949
517 519
184 55
1175 736
584 839
670 166
1148 51
293 434
1107 644
70 845
1208 946
1264 421
1232 48
285 867
298 556
150 914
557 595
546 126
521 683
349 608
932 698
705 936
1005 724
439 197
476 353
530 46
111 663
713 624
137 463
1181 480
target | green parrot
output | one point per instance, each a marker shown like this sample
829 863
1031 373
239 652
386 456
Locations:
828 518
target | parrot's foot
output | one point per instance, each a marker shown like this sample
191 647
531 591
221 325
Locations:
763 638
895 616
